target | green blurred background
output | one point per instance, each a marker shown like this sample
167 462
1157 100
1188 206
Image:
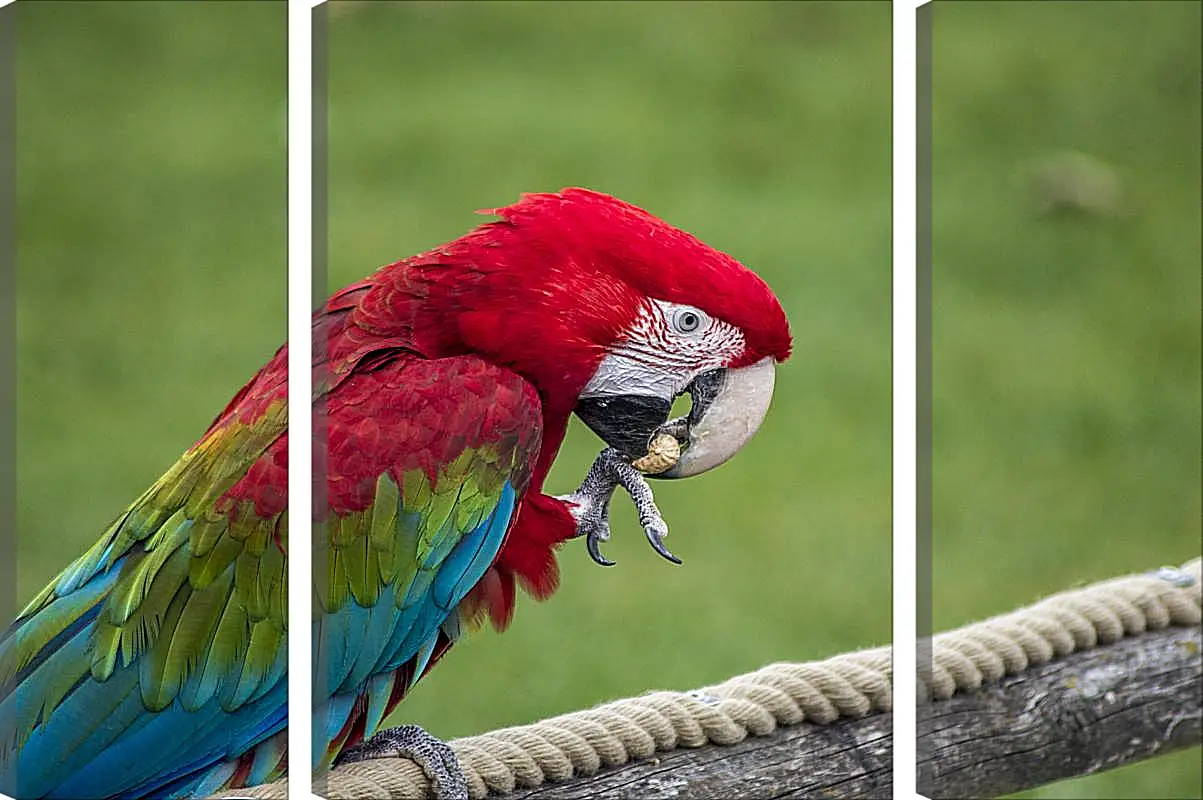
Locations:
151 274
1067 271
763 128
151 251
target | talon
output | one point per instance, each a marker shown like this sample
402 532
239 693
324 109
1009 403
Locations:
656 539
592 544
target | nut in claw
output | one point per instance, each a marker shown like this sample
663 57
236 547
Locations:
662 454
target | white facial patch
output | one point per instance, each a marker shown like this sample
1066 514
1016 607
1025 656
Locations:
619 375
664 349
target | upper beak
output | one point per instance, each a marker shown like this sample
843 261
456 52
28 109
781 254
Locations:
728 406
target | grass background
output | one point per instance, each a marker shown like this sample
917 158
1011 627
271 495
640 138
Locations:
1067 346
151 251
151 285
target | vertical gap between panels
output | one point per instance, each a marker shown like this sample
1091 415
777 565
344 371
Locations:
923 370
300 219
904 398
8 331
8 318
319 292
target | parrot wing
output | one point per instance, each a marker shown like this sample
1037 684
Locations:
173 627
427 462
160 653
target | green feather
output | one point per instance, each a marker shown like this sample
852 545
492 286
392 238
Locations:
271 571
20 648
384 513
338 588
455 472
348 530
434 518
244 523
137 575
266 644
159 674
225 654
187 644
207 532
277 601
204 569
405 554
362 570
142 627
415 490
106 644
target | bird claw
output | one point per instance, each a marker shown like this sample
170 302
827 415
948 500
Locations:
592 545
655 531
591 505
434 756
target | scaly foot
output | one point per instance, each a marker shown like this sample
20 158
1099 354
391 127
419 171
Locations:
591 505
434 756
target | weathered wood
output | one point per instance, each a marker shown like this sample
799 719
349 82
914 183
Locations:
1089 712
1086 713
848 758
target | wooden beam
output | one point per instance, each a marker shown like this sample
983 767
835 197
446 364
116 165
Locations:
1089 712
849 758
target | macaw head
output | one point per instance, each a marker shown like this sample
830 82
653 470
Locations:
613 314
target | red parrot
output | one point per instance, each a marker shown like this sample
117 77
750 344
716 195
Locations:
443 386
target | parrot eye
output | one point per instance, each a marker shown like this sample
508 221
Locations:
689 320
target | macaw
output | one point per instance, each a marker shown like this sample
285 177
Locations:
155 665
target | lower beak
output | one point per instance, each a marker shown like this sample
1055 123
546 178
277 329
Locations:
626 422
728 406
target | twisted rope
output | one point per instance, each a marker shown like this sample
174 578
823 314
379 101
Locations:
849 685
1079 619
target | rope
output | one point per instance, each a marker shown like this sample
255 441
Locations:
848 685
1079 619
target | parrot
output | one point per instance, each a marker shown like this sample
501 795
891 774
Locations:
155 664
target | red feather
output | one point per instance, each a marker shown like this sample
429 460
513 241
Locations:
544 291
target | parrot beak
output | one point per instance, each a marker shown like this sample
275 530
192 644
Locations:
728 406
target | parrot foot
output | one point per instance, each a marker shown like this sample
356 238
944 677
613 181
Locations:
591 505
434 756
